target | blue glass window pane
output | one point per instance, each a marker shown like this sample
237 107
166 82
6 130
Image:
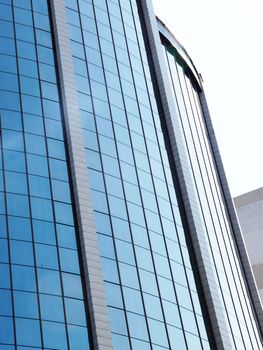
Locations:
17 205
75 312
56 149
6 330
19 228
45 55
133 300
51 308
113 295
6 28
54 129
78 338
11 120
40 6
7 46
54 335
29 86
5 276
117 321
13 140
8 64
61 191
49 281
8 81
66 236
110 271
2 226
2 203
137 326
121 229
27 67
41 21
37 165
9 347
31 105
64 213
176 338
51 109
25 304
58 169
72 285
5 303
33 124
24 278
44 232
26 50
129 276
121 342
41 209
28 332
39 186
14 161
25 33
23 16
3 251
46 256
47 72
35 144
103 223
21 253
99 201
16 182
69 260
106 246
158 333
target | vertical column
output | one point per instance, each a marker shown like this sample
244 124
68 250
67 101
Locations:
86 225
206 270
238 238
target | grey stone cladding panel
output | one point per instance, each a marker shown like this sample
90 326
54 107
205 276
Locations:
97 306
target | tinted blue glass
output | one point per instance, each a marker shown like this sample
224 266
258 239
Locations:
6 330
72 285
25 304
36 224
23 278
54 335
78 338
46 256
44 232
4 251
28 332
49 281
75 312
5 303
5 276
51 308
19 228
21 253
69 260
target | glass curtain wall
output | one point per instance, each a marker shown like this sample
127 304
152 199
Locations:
150 288
238 311
41 294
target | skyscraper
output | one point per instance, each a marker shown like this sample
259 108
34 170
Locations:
249 212
117 226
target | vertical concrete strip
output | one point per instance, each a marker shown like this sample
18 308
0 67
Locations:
213 300
238 237
89 245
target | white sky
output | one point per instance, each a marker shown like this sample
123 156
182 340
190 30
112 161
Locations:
225 40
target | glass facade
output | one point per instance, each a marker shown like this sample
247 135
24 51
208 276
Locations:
237 308
150 289
150 280
41 293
